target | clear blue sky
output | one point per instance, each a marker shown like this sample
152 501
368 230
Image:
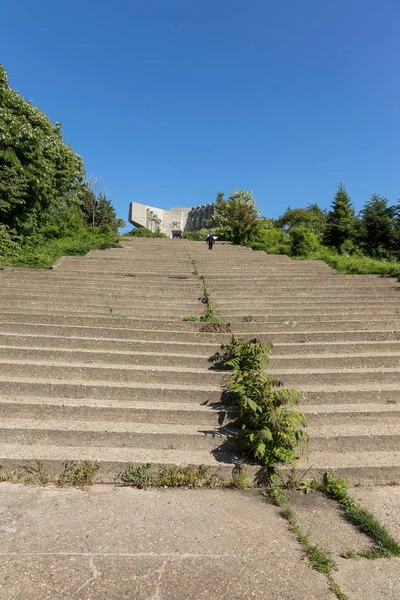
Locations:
172 101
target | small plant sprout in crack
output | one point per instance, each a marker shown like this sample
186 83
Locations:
192 318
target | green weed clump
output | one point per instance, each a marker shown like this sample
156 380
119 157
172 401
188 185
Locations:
270 428
192 318
385 545
78 474
140 477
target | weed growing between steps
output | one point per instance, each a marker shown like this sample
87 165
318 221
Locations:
270 429
75 473
189 476
195 269
212 324
192 318
385 545
78 474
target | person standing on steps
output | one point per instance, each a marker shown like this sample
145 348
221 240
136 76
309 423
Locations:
211 241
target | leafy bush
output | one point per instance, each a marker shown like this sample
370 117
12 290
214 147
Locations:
272 241
270 430
303 241
140 232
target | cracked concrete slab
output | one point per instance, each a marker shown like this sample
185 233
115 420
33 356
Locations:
107 543
364 579
383 502
322 520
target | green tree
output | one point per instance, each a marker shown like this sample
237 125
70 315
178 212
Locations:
312 217
38 170
341 220
377 224
303 241
236 218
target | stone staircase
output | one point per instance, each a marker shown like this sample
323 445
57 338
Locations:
96 362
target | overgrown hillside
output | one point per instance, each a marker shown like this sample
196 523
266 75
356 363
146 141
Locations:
47 207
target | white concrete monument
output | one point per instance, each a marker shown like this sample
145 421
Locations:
174 221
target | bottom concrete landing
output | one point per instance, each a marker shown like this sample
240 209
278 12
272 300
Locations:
107 543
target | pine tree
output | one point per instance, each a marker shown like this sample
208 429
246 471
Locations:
341 220
377 222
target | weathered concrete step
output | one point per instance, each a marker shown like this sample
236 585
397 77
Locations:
377 467
115 320
334 361
319 325
116 357
56 388
95 409
113 460
61 292
115 333
76 372
232 306
199 348
376 413
188 360
85 343
99 314
295 378
335 348
111 434
346 437
304 314
301 378
186 337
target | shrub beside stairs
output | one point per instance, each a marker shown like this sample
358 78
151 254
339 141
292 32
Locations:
97 363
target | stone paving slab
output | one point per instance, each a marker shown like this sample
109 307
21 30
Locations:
364 579
107 543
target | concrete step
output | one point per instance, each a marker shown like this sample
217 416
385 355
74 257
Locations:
374 413
86 343
111 434
345 437
76 372
110 390
358 467
112 460
98 409
187 359
187 336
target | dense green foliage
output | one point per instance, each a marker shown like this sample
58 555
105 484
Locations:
236 218
341 220
350 243
145 233
43 196
270 428
38 170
